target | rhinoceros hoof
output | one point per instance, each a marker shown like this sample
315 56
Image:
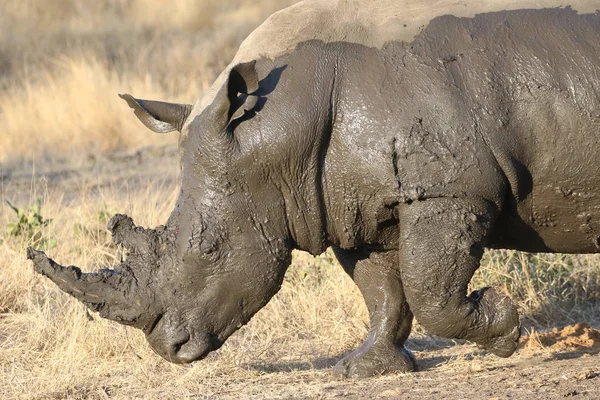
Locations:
506 327
505 346
377 360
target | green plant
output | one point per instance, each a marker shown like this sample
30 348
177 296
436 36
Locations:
30 224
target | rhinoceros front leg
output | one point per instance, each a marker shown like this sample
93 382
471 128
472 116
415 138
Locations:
441 244
376 275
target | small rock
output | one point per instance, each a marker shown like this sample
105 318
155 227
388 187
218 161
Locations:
590 374
390 393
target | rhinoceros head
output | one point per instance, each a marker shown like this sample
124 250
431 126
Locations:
191 283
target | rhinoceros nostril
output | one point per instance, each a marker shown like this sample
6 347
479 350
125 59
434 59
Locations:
178 347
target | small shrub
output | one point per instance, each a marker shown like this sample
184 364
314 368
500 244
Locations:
29 225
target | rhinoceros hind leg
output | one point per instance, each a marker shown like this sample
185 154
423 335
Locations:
441 245
376 275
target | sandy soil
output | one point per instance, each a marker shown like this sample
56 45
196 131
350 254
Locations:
558 364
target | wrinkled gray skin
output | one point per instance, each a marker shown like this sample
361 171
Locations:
409 160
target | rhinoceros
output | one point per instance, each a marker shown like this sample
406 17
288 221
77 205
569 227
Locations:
409 136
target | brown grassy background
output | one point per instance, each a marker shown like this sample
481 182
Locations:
62 63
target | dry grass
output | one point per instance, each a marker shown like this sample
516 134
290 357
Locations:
549 289
62 62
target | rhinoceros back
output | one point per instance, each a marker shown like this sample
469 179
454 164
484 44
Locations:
371 23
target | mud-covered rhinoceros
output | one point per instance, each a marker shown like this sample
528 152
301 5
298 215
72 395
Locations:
408 135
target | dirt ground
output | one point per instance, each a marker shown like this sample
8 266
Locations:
567 366
553 365
450 371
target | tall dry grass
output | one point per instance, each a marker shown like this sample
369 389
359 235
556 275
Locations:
63 62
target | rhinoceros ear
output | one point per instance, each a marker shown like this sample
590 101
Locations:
159 116
242 83
243 79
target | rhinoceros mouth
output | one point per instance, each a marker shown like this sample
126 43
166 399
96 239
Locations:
180 346
150 328
185 354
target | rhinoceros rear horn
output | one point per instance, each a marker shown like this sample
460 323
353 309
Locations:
110 292
159 116
125 233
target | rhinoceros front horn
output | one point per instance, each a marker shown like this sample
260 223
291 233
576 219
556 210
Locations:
108 291
117 294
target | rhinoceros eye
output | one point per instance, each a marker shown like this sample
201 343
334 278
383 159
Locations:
208 246
205 240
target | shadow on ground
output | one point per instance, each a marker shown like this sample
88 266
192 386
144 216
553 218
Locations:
423 346
317 364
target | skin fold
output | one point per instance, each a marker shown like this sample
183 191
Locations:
409 159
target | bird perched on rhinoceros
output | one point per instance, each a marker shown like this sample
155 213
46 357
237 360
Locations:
408 135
